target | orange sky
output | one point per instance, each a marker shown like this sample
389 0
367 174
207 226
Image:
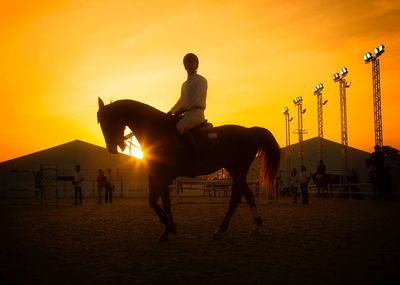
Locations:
57 57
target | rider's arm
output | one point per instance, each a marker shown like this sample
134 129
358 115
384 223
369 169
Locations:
177 108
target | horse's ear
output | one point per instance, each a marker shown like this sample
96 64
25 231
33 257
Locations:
101 103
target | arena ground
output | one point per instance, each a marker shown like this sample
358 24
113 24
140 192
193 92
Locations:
327 242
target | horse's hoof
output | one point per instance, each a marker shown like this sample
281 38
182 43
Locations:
163 238
218 235
258 221
170 228
255 231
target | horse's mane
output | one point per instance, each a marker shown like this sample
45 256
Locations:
139 113
138 107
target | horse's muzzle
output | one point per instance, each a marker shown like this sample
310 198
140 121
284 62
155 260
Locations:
112 150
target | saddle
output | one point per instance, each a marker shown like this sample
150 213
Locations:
202 125
202 136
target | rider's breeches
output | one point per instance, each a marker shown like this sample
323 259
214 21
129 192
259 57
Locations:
190 120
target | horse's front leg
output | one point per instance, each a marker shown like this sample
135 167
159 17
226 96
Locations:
170 226
154 195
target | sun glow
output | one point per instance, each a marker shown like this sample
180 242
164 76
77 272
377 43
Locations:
136 152
133 147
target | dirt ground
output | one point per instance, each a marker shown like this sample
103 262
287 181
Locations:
326 242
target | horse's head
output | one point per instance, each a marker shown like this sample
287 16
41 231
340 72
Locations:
111 126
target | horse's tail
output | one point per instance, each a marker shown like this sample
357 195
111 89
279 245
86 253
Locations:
269 153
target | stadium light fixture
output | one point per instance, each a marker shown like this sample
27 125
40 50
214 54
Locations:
343 71
285 110
318 88
297 100
367 57
379 50
336 77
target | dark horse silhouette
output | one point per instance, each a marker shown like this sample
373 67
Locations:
324 184
168 156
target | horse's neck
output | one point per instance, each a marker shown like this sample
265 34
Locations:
145 121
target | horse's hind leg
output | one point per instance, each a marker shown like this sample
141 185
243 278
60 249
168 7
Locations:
233 203
249 196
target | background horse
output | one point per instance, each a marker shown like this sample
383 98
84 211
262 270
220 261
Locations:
168 156
323 183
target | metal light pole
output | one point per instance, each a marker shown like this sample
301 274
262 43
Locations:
340 77
298 101
318 92
285 112
376 91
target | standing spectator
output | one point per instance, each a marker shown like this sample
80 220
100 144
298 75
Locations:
38 176
321 169
294 183
77 182
101 184
377 171
320 179
304 180
109 187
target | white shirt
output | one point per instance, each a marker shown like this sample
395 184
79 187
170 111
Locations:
193 93
304 176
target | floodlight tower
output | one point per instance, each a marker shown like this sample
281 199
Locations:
318 92
376 91
288 119
298 101
340 77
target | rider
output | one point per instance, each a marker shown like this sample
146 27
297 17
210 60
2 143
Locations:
192 102
378 158
377 168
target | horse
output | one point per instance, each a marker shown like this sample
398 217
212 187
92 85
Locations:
378 176
168 155
323 183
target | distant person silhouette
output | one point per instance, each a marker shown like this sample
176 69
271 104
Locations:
294 184
320 178
77 182
377 171
192 101
304 179
321 168
377 157
109 187
101 184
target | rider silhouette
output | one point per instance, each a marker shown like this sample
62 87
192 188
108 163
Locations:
378 158
377 169
192 103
